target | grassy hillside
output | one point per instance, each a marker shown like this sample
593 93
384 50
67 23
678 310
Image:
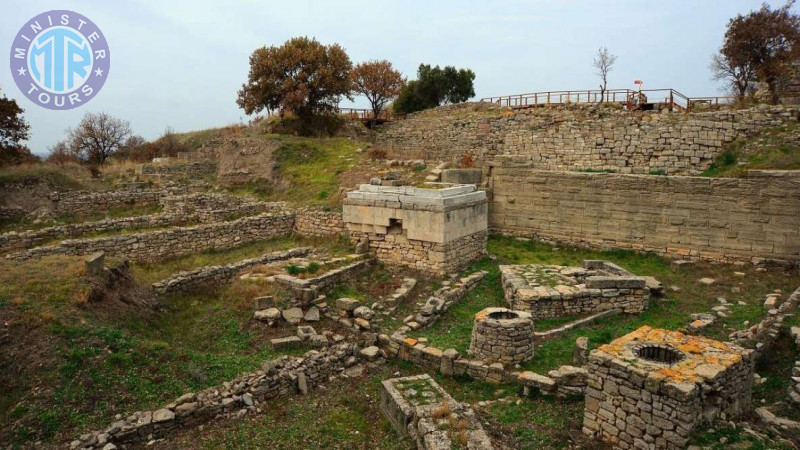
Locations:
777 148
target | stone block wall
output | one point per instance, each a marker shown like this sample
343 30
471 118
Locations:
311 222
192 168
210 276
414 405
423 255
177 210
579 137
161 244
82 202
721 219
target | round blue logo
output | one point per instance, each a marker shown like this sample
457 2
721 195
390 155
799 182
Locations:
60 59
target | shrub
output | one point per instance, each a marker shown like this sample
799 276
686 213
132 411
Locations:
312 267
378 153
466 161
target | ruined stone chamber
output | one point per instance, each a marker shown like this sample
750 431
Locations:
419 408
651 388
439 230
502 335
548 291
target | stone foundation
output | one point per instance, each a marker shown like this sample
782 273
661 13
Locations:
419 408
160 244
502 335
651 388
558 291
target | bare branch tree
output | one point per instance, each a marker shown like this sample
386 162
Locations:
98 136
603 62
738 78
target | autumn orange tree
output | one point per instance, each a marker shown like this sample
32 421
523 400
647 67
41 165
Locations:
379 82
761 43
301 76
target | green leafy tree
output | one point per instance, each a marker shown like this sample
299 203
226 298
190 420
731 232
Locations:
301 76
13 130
435 86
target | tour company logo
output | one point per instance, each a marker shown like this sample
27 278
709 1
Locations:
60 59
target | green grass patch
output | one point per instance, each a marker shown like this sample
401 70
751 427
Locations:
454 330
308 170
775 149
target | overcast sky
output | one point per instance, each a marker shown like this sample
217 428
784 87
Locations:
179 63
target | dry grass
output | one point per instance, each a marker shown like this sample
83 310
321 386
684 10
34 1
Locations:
443 411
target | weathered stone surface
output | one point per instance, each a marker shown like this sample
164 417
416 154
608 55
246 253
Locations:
285 342
347 304
312 315
426 229
370 353
95 263
268 315
548 291
163 415
502 335
669 381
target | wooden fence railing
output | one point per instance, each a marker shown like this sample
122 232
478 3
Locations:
364 114
632 99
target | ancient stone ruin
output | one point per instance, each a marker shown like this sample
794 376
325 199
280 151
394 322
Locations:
651 388
429 229
419 408
548 291
502 335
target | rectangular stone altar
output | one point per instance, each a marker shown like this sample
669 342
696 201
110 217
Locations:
428 229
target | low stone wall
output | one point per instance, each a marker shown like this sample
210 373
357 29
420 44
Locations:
307 290
160 244
219 275
192 168
284 376
81 202
763 335
311 222
177 210
720 219
579 137
547 291
209 207
15 241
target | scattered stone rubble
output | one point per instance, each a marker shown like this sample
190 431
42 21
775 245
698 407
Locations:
548 291
762 336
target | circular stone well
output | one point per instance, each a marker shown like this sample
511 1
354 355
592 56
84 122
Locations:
502 335
658 353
